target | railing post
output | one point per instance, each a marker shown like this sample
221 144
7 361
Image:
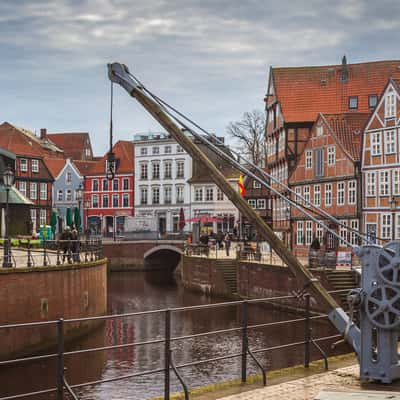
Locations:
244 340
58 262
44 253
167 353
60 359
29 264
307 328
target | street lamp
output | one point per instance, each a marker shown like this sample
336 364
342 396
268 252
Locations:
79 197
8 180
393 207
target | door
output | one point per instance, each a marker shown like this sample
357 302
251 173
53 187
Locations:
162 225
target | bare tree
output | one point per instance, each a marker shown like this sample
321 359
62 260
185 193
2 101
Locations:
249 134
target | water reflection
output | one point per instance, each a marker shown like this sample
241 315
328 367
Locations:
129 292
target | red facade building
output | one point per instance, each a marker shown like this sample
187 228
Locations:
108 202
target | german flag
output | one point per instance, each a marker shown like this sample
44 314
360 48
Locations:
242 189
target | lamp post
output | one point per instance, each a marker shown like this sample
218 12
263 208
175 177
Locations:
79 197
393 206
8 180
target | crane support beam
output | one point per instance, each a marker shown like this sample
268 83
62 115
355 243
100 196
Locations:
119 73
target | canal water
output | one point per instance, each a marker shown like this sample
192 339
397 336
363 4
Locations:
138 291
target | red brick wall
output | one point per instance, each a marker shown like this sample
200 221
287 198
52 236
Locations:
69 291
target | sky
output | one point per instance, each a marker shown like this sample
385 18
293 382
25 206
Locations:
208 58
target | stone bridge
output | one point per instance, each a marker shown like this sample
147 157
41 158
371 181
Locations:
143 254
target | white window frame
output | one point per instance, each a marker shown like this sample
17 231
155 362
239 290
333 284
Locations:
42 216
155 167
353 232
68 195
390 105
33 191
115 200
298 192
376 143
331 155
319 232
168 149
386 226
306 195
68 177
105 196
252 203
343 233
308 157
180 169
390 141
144 195
22 187
384 180
352 192
370 178
43 191
155 150
180 197
220 195
168 169
198 194
125 200
144 171
396 182
209 194
94 182
300 233
23 165
256 185
261 204
143 151
35 165
167 194
317 195
60 195
125 187
154 191
328 194
95 201
340 195
309 226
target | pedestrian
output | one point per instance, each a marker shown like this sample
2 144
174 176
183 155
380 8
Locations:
227 240
313 253
75 245
66 244
220 238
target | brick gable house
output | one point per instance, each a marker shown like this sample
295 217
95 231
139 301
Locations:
295 97
381 167
328 175
76 145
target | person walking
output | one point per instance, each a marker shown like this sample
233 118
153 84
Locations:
220 238
227 240
66 244
75 245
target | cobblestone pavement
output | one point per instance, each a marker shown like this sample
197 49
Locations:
307 388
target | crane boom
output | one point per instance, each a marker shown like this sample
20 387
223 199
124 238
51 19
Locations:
119 73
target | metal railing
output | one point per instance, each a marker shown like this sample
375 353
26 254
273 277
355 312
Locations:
62 386
54 253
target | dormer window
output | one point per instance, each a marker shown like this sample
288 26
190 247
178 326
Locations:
390 105
35 165
353 102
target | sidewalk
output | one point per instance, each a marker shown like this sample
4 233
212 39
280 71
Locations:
308 388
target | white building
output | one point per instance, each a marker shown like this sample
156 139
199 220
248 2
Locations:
166 180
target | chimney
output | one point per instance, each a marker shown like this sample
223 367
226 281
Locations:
345 72
43 133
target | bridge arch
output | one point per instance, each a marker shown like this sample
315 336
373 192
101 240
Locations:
162 247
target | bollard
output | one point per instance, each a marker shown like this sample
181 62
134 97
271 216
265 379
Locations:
60 359
244 341
167 353
29 265
307 332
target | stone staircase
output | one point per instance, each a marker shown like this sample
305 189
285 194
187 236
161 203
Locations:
340 280
229 270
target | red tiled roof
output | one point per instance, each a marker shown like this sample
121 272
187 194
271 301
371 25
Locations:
348 129
55 165
303 92
73 143
124 151
25 143
84 167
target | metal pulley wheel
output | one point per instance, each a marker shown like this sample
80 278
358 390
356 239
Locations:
382 306
389 263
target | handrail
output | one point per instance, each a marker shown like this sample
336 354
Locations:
264 375
178 375
321 351
69 390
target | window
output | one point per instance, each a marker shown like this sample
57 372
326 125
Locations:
143 195
252 203
331 155
256 185
372 100
317 195
353 232
396 182
175 223
390 142
95 185
179 149
319 162
68 195
198 194
42 217
386 226
209 194
319 233
376 146
261 204
308 159
220 194
371 183
115 184
35 165
143 151
353 102
22 187
167 150
105 201
179 194
156 150
33 219
300 233
343 233
43 191
384 183
59 195
115 201
143 171
33 191
105 185
95 201
328 194
156 170
307 196
167 170
125 184
167 194
340 193
68 178
180 169
298 194
390 105
23 165
308 232
352 192
319 130
155 195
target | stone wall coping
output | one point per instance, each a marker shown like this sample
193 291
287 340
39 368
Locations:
53 268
